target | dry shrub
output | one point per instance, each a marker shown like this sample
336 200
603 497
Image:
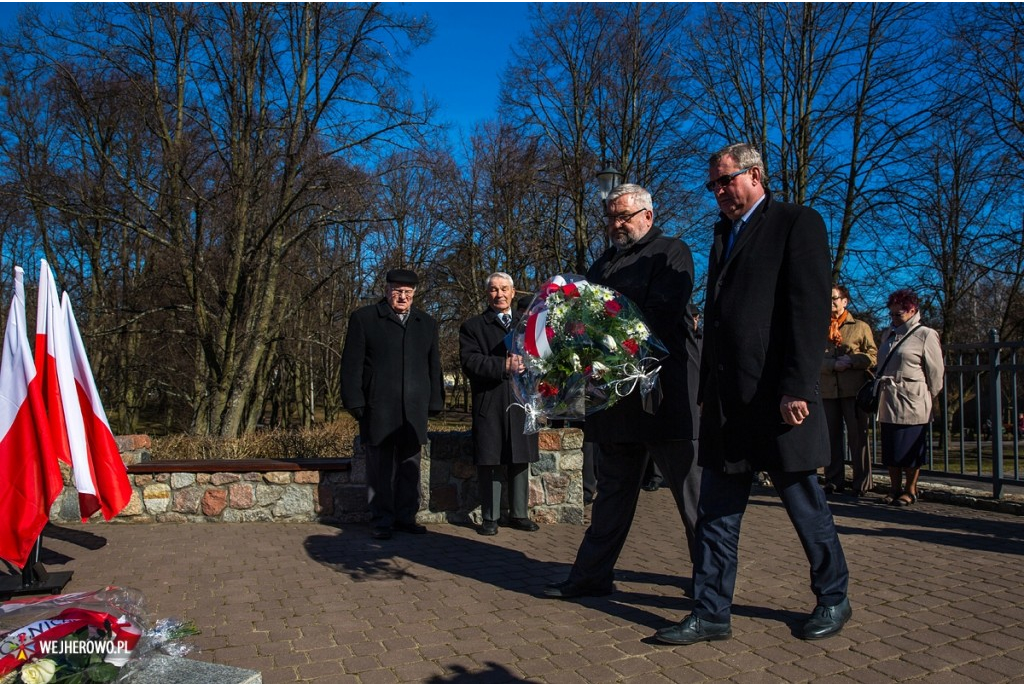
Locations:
323 441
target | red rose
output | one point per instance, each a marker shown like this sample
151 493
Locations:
631 346
549 332
546 390
611 307
577 328
571 290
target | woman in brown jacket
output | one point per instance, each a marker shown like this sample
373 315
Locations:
909 381
849 353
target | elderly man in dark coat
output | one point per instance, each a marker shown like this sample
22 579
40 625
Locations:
655 272
498 439
390 383
766 311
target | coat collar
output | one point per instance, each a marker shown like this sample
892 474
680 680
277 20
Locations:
904 328
723 227
724 223
385 311
491 316
617 252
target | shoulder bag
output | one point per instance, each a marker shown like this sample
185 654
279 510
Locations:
870 394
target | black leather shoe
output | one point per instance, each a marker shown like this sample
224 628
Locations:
488 528
570 590
381 533
693 630
523 524
411 527
652 485
826 621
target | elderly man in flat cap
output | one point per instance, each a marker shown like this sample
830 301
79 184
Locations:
390 383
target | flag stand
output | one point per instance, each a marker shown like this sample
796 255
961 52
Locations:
35 579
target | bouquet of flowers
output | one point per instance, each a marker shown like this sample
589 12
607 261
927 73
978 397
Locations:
584 347
83 637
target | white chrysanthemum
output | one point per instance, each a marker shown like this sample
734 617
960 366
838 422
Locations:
557 314
537 364
638 331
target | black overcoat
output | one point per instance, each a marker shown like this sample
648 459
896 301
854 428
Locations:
497 429
766 311
390 371
656 274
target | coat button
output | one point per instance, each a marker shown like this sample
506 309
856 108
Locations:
721 367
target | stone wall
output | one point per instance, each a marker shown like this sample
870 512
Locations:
450 490
331 491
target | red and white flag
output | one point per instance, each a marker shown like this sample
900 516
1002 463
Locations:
100 475
53 362
30 478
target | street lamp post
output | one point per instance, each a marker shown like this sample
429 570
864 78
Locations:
607 179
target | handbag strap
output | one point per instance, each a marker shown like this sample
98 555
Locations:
881 369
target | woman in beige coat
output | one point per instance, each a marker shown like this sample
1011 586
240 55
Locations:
849 353
909 381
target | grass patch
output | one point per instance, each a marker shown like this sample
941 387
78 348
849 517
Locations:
323 441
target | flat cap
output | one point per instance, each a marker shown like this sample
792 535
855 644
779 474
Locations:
402 277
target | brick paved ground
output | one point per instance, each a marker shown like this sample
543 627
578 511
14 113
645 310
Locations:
937 590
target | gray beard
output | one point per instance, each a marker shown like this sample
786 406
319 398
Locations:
626 242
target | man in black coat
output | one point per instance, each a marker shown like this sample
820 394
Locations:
390 383
498 438
656 273
767 308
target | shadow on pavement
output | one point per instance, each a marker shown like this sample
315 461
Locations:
945 530
354 553
942 529
362 558
495 673
78 537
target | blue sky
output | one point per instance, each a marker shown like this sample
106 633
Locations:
460 67
462 64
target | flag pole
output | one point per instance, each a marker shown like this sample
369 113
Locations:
35 579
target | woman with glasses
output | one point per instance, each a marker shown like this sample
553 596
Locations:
909 378
849 353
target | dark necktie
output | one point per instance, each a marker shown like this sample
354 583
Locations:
506 320
733 235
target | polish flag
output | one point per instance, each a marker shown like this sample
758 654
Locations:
100 474
30 479
53 362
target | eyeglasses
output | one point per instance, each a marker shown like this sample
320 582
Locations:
613 219
836 299
723 181
403 292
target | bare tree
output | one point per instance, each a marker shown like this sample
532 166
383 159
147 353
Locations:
245 106
550 91
830 93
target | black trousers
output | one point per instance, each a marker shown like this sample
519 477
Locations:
620 474
590 469
723 500
844 411
393 478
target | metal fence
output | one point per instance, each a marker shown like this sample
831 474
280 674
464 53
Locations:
975 434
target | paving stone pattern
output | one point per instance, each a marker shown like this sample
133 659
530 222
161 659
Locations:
937 590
